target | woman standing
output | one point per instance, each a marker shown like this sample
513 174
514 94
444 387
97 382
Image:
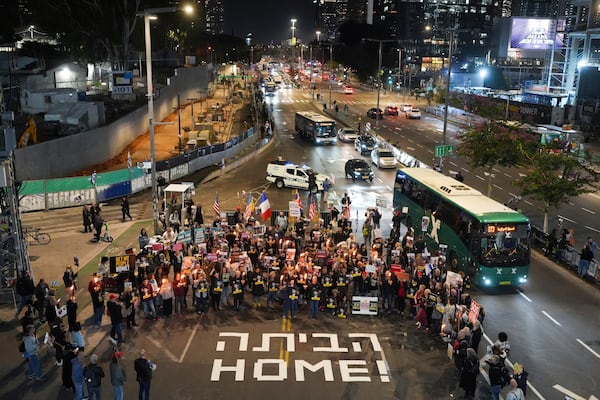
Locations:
143 239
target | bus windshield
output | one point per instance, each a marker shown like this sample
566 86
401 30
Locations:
504 244
324 130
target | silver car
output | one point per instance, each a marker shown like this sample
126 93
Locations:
383 158
347 135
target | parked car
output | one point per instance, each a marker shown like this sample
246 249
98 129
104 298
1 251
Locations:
383 158
375 113
364 144
391 110
347 135
358 168
415 113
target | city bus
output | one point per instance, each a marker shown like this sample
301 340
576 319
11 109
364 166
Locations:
315 127
479 237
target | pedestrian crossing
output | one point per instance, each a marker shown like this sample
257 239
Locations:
341 102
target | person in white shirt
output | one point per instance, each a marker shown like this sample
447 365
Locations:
169 236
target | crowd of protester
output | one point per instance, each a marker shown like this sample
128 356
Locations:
291 266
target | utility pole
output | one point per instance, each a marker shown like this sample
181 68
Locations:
378 117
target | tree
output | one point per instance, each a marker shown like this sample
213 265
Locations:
494 143
553 178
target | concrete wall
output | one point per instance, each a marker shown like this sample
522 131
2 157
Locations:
64 156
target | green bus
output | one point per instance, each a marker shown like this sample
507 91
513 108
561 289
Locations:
480 237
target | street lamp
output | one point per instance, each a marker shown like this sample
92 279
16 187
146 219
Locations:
150 14
293 41
399 69
378 76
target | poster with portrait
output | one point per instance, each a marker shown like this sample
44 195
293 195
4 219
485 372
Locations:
424 223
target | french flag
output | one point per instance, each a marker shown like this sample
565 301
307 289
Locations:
265 207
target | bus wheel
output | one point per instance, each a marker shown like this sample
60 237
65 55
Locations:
279 183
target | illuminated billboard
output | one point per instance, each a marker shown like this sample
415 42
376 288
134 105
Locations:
534 34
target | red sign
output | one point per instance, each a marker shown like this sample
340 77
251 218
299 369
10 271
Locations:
473 311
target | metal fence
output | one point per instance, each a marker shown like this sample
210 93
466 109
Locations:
45 194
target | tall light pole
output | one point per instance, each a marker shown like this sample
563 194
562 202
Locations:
318 33
399 69
150 14
293 40
330 70
378 117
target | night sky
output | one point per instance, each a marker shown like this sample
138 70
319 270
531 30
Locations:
269 20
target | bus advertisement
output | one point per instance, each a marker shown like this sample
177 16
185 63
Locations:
315 127
479 237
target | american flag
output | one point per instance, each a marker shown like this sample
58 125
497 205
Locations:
216 206
312 209
299 202
249 207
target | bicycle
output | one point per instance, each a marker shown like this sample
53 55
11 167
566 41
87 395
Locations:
34 235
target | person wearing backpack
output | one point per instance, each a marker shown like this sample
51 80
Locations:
93 375
497 375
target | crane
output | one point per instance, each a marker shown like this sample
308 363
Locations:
30 132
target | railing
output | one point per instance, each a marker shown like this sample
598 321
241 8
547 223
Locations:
48 194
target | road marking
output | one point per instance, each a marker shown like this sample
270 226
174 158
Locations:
420 129
571 394
430 151
388 188
402 136
590 211
524 296
507 175
410 148
187 345
164 349
594 195
496 186
464 169
483 179
592 229
570 203
588 348
522 175
396 133
420 145
495 170
410 140
380 180
512 194
550 318
567 219
453 163
398 129
528 203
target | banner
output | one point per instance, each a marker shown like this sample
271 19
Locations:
362 305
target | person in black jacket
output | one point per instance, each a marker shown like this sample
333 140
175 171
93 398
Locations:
115 310
143 370
25 290
468 376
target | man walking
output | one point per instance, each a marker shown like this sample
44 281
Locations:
143 369
125 208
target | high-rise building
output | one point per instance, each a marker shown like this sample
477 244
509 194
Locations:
214 11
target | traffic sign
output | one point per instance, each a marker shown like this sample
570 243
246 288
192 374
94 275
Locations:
443 150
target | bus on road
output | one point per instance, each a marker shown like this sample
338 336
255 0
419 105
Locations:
315 127
480 237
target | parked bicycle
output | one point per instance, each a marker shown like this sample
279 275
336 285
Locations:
34 235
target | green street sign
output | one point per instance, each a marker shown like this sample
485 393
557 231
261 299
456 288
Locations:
443 150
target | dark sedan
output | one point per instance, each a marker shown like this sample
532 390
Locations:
364 144
358 168
375 113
